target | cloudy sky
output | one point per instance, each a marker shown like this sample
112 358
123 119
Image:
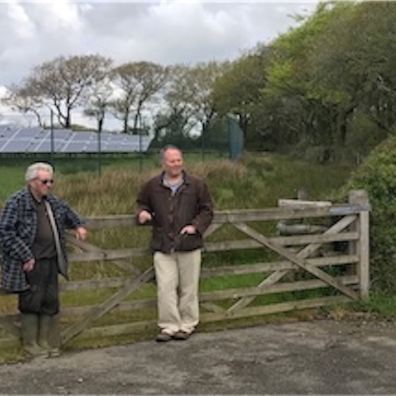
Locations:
166 32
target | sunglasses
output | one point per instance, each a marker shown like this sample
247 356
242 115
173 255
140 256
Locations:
46 181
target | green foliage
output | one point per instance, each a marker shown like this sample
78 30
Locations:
364 135
377 175
328 83
238 91
381 304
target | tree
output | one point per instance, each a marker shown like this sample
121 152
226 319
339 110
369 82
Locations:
189 100
24 100
176 117
333 71
63 83
355 69
99 102
293 109
139 82
239 89
202 78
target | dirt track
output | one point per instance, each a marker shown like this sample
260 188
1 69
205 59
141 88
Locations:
320 357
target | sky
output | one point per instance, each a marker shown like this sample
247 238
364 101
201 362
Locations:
163 31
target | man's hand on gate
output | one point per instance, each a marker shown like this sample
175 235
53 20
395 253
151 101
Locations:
81 233
188 229
144 217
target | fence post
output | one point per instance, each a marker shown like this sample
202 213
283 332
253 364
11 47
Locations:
360 197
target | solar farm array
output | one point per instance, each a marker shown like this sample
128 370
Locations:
15 139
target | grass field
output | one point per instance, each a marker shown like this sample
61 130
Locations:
255 182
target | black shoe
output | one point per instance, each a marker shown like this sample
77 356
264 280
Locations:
181 335
163 337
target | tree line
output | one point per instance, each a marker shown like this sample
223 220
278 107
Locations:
327 85
178 97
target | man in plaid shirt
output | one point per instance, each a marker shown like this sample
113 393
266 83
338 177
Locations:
32 227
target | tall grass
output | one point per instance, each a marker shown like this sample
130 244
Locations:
257 181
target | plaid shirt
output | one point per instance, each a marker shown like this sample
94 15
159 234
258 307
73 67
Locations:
18 223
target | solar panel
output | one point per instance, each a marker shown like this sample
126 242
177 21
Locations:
27 133
14 139
16 146
7 127
62 134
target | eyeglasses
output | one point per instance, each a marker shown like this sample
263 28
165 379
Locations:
46 181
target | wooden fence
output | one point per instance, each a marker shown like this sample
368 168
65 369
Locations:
303 270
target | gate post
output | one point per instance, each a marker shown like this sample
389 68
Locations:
360 197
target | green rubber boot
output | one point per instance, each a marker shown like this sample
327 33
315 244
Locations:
49 338
29 332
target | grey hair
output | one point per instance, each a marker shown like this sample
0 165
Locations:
166 148
31 171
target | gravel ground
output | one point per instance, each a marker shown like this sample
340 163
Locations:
316 357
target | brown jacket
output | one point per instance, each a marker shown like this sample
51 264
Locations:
191 204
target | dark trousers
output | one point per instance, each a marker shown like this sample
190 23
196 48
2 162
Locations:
43 295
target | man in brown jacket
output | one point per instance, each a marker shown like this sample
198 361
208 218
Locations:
180 209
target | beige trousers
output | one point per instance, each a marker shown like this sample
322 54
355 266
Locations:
177 290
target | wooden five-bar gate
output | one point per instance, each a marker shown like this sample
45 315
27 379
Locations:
303 269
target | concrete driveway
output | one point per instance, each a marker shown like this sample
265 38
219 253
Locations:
317 357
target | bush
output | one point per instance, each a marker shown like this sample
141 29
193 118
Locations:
363 137
377 175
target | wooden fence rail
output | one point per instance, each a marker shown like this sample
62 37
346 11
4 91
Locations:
303 271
